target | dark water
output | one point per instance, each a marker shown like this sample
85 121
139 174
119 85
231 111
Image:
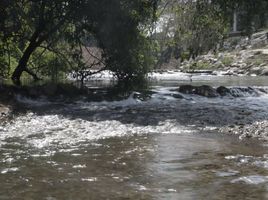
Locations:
161 147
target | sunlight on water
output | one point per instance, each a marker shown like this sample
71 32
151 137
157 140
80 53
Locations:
166 146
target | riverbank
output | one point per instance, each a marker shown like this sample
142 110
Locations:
238 56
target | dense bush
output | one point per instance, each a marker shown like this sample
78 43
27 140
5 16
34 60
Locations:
49 36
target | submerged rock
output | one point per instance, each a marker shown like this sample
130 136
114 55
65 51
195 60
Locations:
208 91
243 92
204 90
223 91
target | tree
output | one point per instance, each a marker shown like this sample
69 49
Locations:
115 24
254 12
191 28
43 21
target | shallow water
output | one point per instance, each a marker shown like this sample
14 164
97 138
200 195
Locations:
157 146
171 166
178 78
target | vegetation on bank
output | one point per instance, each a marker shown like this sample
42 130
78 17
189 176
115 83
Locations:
192 28
47 38
51 39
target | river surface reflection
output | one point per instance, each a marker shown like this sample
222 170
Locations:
169 166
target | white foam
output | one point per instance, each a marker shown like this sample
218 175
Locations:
169 76
227 173
33 102
253 180
52 130
91 179
8 170
79 166
56 130
105 75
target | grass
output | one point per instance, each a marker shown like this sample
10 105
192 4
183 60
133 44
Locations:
200 65
227 60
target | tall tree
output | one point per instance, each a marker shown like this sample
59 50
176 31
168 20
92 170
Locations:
252 11
42 20
114 23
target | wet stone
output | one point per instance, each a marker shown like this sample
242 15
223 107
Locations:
204 90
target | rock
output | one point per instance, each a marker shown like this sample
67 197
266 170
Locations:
265 71
187 89
235 69
255 70
4 113
204 90
262 65
177 96
243 92
214 73
229 73
223 91
240 71
263 90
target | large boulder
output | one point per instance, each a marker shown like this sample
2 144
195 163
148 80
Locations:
187 89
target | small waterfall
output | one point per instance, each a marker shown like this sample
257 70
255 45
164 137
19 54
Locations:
244 92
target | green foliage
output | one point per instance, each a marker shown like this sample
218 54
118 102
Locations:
9 54
203 29
258 60
191 28
198 26
126 49
49 36
200 65
253 13
227 60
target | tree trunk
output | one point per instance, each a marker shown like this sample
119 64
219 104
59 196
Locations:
35 41
22 66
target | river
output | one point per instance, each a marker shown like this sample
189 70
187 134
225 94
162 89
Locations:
154 144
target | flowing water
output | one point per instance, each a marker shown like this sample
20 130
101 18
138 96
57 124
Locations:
155 144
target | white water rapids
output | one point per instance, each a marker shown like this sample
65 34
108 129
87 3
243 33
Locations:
156 144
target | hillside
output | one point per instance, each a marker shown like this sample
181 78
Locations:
239 55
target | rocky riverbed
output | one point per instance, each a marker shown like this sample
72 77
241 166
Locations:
239 110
